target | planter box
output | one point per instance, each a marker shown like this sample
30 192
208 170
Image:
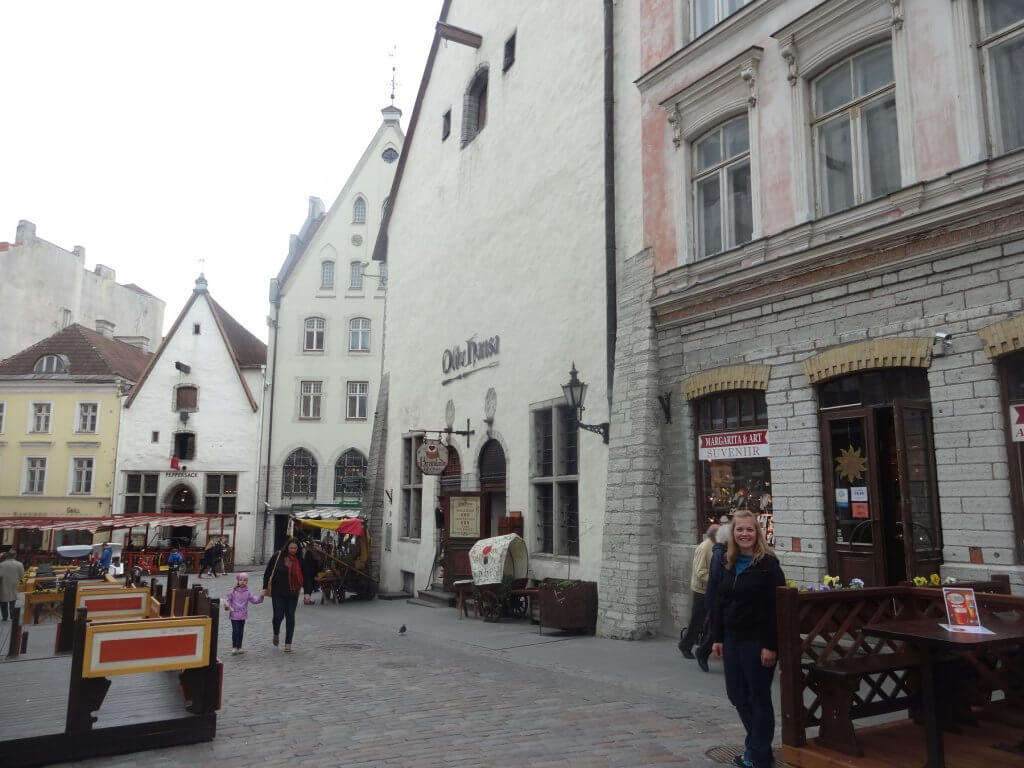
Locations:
571 608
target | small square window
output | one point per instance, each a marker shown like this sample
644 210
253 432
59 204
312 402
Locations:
510 53
154 437
446 125
195 329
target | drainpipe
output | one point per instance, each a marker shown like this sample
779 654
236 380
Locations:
611 308
275 298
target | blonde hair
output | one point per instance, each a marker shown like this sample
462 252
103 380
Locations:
760 548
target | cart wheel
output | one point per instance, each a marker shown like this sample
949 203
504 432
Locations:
339 594
490 609
518 606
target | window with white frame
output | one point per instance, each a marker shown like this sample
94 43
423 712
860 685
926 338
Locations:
311 399
1002 46
81 475
382 268
313 338
327 275
88 416
51 364
355 279
140 493
359 211
35 475
721 187
555 480
40 417
359 334
857 153
357 397
707 13
221 494
412 489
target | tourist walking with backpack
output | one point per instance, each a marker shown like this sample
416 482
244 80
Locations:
745 634
715 571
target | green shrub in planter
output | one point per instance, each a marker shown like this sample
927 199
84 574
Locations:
569 605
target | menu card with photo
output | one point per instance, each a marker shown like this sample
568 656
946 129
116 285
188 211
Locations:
962 611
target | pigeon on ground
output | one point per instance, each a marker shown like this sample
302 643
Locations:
401 630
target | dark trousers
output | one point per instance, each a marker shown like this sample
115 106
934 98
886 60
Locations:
284 608
7 609
237 630
697 616
748 685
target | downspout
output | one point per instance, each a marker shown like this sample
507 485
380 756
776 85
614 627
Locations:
611 308
275 298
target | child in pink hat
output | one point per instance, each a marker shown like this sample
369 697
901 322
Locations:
237 601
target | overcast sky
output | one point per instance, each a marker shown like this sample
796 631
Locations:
157 134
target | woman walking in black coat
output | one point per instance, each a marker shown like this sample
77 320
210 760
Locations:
745 634
283 582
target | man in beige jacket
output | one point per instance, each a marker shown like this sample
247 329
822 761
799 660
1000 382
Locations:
698 585
11 572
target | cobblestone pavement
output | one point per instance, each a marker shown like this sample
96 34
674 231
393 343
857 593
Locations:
356 693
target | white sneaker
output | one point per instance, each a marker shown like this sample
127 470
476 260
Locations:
235 651
240 650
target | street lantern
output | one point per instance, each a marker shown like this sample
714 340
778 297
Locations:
575 392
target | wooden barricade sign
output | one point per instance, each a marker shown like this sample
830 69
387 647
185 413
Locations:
153 645
114 604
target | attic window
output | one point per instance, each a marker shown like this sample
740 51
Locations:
51 364
510 54
195 329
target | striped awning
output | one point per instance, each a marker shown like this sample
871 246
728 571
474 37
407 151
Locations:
102 523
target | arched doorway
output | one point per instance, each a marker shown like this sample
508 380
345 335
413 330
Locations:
492 482
180 499
878 456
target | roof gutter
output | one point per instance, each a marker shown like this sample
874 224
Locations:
275 298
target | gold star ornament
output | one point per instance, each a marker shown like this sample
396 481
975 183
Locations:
851 464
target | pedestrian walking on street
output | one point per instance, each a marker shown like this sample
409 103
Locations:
220 550
237 602
283 582
11 573
175 560
698 585
715 572
745 634
210 556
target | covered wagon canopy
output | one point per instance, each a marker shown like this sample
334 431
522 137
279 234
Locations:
332 520
94 524
494 559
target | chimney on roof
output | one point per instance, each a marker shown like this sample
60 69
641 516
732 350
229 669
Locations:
105 328
142 342
201 284
26 232
103 271
392 114
79 251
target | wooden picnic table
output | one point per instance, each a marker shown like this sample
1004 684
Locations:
931 640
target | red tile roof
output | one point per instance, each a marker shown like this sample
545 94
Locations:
89 353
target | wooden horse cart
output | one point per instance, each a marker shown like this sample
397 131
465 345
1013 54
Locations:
499 566
344 558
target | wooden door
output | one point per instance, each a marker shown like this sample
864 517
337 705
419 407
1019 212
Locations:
919 500
466 521
856 538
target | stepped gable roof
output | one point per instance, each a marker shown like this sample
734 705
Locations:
245 349
89 353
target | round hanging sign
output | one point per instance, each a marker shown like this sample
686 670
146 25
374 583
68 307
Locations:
432 457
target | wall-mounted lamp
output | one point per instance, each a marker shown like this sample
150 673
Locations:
183 416
575 393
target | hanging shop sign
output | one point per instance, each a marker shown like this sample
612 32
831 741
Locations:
431 457
1017 423
722 446
464 517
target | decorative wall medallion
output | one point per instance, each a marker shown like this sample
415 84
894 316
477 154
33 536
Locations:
449 414
357 239
490 405
788 51
675 119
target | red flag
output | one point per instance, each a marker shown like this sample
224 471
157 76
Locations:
174 462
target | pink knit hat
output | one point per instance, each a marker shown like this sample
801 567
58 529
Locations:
243 576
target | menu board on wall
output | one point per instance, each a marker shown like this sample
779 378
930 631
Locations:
464 517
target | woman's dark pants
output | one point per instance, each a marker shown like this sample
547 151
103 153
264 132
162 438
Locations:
284 608
749 687
237 630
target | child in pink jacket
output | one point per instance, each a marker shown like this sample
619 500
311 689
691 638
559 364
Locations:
237 602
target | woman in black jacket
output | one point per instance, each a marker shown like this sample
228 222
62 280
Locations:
745 634
283 582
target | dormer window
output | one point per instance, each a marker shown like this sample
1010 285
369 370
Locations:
51 364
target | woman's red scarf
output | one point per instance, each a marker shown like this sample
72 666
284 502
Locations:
294 572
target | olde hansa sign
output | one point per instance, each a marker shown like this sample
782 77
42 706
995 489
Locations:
473 356
722 446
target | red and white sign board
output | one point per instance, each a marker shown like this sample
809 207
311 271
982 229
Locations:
1017 423
723 446
119 604
152 645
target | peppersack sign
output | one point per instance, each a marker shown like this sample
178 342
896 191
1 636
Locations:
1017 423
721 446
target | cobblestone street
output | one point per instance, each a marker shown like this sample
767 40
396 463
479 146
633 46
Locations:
451 693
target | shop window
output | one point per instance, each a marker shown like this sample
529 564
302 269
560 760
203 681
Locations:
350 478
1002 47
28 539
71 538
733 456
555 480
1011 371
412 489
221 493
298 476
140 493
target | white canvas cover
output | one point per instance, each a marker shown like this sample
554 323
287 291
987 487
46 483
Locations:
497 557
